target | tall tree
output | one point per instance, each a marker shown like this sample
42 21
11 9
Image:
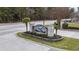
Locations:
12 14
59 13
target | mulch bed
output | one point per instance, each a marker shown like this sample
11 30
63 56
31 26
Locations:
44 36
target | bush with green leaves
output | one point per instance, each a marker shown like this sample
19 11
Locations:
65 25
26 20
56 25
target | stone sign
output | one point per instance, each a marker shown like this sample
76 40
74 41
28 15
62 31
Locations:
40 29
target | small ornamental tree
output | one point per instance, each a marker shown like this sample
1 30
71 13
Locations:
26 20
56 27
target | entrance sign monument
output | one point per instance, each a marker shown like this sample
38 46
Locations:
41 29
43 32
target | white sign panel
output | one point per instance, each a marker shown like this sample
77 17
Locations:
50 31
31 26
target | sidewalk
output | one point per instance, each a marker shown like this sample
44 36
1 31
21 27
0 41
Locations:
69 33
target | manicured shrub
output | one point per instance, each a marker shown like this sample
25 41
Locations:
36 34
26 20
41 35
65 25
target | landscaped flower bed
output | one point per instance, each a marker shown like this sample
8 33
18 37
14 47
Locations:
44 36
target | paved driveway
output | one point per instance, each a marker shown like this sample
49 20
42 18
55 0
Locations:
69 33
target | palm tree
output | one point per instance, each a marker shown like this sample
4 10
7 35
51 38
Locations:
26 20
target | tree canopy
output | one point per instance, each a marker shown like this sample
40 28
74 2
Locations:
16 14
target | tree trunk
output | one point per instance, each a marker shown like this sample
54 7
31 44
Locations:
26 27
59 23
56 31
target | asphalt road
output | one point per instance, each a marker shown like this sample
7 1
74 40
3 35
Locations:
9 41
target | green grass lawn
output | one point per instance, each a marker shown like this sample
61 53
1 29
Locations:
73 25
67 43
